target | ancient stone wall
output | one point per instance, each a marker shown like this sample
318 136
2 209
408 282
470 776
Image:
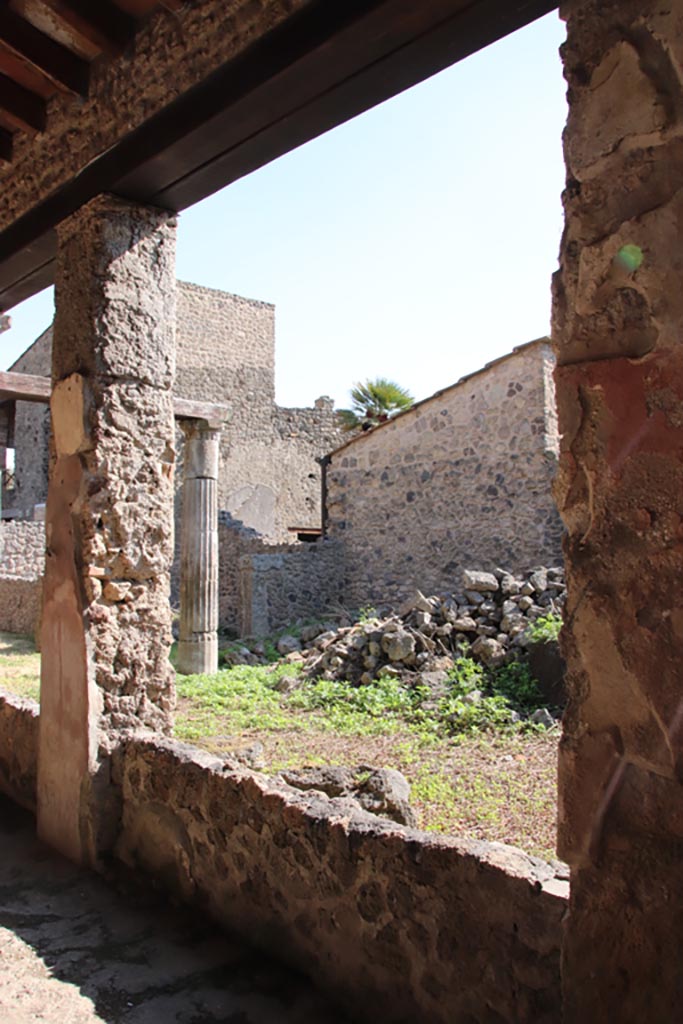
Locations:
268 476
277 588
401 925
31 435
18 749
463 479
22 564
22 549
618 309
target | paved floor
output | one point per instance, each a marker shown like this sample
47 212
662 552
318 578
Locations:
72 951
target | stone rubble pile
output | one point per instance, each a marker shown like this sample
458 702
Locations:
488 619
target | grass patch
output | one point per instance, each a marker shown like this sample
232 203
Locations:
19 666
473 771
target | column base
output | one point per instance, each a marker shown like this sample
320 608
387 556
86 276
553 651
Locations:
199 655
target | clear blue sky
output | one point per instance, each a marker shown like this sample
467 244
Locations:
415 242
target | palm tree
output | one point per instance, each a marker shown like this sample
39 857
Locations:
373 402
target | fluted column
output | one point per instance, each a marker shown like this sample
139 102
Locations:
198 646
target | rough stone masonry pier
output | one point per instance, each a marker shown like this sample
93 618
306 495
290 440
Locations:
106 629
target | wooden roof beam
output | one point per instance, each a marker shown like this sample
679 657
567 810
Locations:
99 23
50 58
6 140
22 107
28 387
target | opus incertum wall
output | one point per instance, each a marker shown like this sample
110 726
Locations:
463 478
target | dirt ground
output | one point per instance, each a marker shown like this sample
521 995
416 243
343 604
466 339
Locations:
73 951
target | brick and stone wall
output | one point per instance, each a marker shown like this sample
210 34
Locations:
463 479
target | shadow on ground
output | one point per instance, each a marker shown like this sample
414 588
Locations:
73 951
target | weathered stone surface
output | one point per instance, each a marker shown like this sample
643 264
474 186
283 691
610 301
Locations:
384 791
482 582
109 514
288 644
617 313
462 480
348 895
18 749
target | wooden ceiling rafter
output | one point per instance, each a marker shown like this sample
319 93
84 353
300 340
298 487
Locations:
67 71
23 108
6 144
102 24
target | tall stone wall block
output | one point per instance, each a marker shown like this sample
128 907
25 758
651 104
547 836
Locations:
617 314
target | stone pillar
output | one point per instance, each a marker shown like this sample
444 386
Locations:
109 519
618 329
198 644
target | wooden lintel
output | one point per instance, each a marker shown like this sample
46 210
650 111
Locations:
24 387
21 106
50 58
27 387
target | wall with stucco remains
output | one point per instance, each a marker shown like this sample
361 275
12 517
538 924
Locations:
461 479
18 749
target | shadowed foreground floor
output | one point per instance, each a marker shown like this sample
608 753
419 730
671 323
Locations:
73 951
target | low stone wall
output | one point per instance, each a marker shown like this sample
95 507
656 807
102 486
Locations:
277 588
18 749
400 925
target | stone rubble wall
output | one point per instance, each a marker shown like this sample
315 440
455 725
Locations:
31 435
236 541
399 924
277 588
463 479
22 549
19 749
22 564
